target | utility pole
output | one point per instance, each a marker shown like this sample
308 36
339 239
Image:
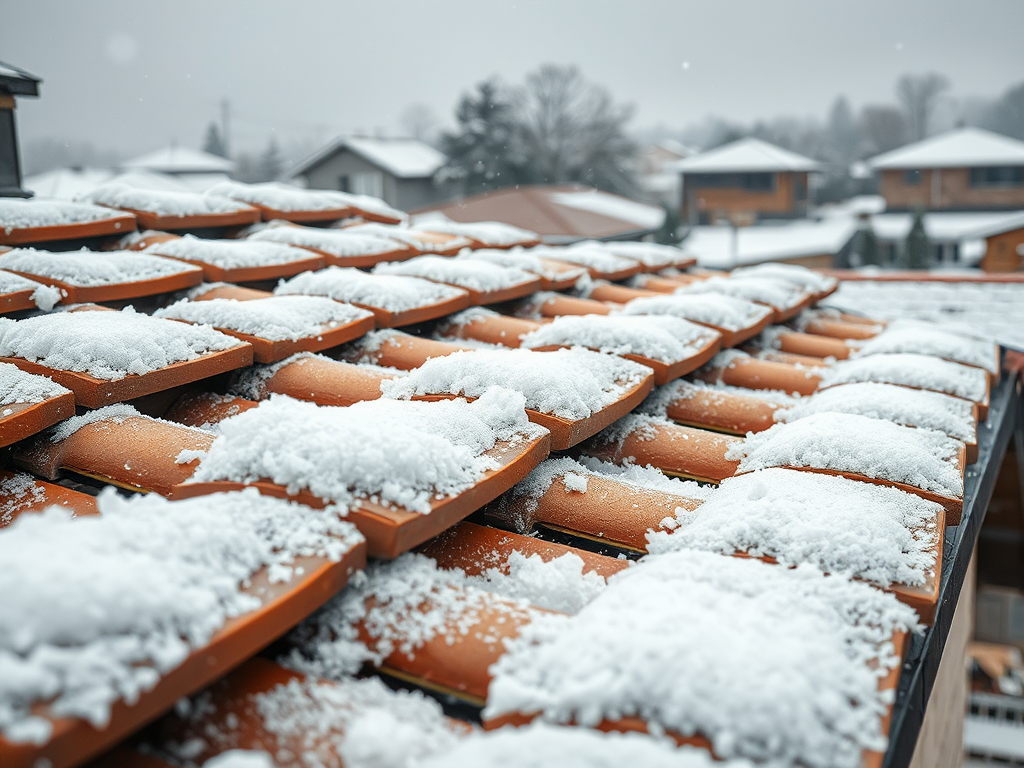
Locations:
225 125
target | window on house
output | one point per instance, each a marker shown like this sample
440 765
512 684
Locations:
998 176
757 182
912 178
343 183
367 183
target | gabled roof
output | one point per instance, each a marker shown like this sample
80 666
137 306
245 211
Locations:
748 155
402 158
175 159
17 81
963 147
558 213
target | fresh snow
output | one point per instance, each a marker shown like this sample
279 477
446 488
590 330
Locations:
395 453
768 663
341 243
88 269
413 238
229 254
494 234
716 309
911 370
651 255
775 292
45 297
98 608
16 386
908 336
465 273
279 197
540 745
845 442
32 214
568 383
387 292
279 318
866 531
805 279
597 259
107 345
909 407
160 202
18 491
640 215
663 338
520 259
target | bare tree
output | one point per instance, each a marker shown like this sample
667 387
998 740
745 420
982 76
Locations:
919 95
1006 114
883 128
573 131
418 121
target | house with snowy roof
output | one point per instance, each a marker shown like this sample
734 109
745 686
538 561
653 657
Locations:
13 82
749 178
194 169
964 169
399 171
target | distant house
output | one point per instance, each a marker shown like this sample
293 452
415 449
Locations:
965 169
748 179
811 243
194 169
400 171
13 82
560 213
656 172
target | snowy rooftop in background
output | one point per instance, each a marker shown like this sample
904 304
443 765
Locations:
177 160
964 147
949 227
403 158
992 310
561 213
712 245
745 156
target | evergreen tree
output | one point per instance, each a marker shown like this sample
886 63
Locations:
214 144
915 248
868 248
668 233
484 151
270 165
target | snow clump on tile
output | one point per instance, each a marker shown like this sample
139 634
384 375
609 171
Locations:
768 663
336 242
465 273
597 259
45 297
390 293
107 345
715 309
919 338
900 405
161 202
568 383
98 608
651 255
763 290
911 370
520 259
16 386
229 254
87 269
18 491
866 531
403 454
844 442
806 279
494 234
32 214
657 337
280 318
279 197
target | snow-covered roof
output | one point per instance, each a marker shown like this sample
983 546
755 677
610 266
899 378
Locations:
948 227
559 213
402 158
176 160
748 155
17 81
712 245
66 183
963 147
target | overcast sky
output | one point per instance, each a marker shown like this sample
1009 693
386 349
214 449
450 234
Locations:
132 75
